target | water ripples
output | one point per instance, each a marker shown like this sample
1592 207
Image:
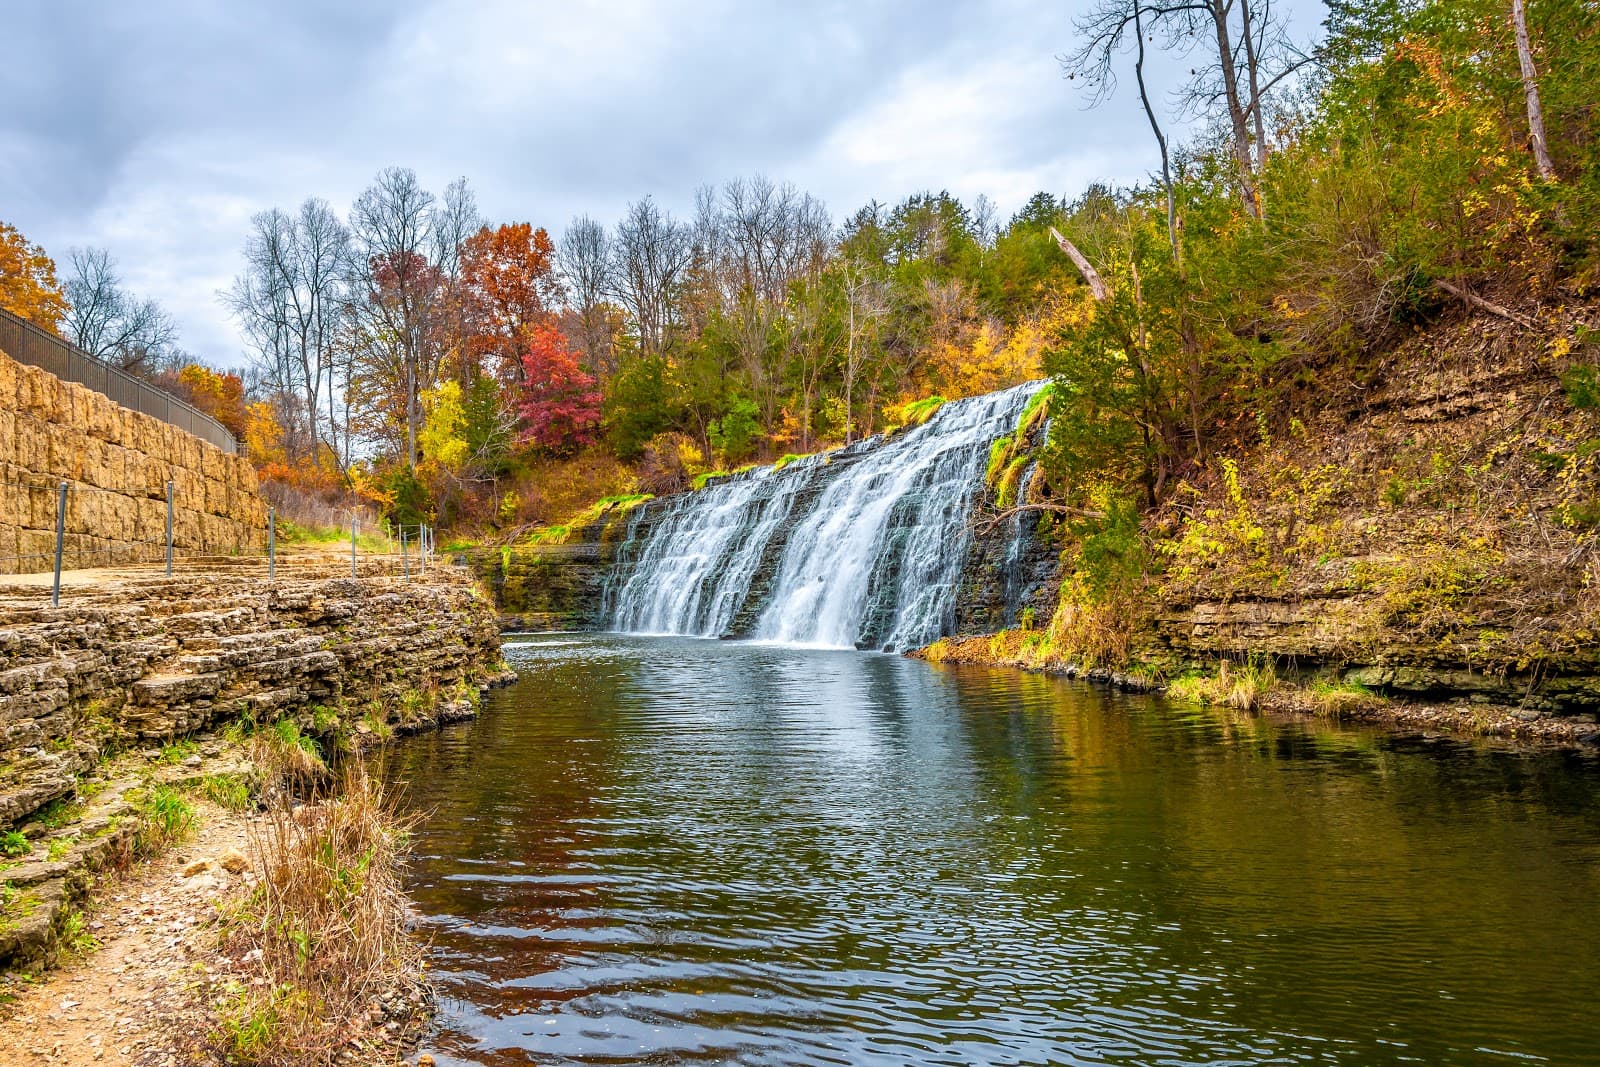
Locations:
701 852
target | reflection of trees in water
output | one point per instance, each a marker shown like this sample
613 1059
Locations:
703 841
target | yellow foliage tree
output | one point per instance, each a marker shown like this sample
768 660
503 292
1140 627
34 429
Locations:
28 285
442 439
263 435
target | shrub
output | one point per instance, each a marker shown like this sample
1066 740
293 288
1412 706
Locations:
231 791
1235 685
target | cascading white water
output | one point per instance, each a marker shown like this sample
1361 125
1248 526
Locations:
694 568
861 549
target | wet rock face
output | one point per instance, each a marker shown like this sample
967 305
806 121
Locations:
1010 571
144 662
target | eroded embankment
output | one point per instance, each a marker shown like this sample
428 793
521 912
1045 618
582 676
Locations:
1417 549
108 697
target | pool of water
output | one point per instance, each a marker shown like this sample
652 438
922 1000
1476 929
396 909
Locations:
665 851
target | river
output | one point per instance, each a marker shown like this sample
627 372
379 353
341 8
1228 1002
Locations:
660 851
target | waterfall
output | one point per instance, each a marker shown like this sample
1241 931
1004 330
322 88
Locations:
861 547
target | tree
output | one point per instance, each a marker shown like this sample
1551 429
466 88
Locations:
652 252
28 285
1530 90
217 393
393 223
587 264
511 286
1252 56
290 300
559 404
107 321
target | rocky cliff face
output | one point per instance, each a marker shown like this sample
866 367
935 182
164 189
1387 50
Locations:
136 664
118 462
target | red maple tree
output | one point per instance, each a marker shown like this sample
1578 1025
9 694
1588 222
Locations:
559 404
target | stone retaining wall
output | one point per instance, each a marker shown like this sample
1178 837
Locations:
117 462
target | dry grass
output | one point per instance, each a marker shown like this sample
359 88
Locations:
321 933
1235 685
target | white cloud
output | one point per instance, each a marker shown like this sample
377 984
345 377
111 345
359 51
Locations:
160 131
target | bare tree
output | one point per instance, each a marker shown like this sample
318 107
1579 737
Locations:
585 257
652 250
394 226
107 321
452 221
866 305
289 301
1530 89
1251 55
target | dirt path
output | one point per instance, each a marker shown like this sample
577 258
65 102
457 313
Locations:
126 1003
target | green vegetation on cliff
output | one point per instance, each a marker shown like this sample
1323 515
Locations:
1359 370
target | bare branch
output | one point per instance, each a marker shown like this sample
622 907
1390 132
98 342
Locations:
1097 286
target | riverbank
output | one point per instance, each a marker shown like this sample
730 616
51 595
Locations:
167 961
149 720
1257 687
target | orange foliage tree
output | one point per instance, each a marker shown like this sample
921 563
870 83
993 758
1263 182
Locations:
510 286
216 393
28 285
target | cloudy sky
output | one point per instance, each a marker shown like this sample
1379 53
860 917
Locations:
157 128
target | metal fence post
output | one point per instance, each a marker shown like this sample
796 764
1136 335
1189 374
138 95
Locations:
169 527
272 544
405 559
352 546
61 534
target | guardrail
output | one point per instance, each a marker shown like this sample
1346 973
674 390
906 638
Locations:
27 343
404 549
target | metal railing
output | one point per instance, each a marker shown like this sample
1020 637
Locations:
398 551
27 343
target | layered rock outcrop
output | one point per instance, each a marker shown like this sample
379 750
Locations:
133 665
117 463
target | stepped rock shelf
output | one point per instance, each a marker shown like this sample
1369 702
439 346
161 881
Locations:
132 665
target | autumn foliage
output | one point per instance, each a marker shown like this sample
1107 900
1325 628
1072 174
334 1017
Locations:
559 404
28 285
509 281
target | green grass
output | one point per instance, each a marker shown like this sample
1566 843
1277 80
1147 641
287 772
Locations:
788 458
1335 698
166 818
58 813
920 411
75 939
292 533
60 847
1234 685
700 480
323 719
231 791
12 843
178 751
609 508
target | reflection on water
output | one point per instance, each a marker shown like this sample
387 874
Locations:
668 851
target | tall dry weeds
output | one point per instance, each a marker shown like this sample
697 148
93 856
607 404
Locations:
319 938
